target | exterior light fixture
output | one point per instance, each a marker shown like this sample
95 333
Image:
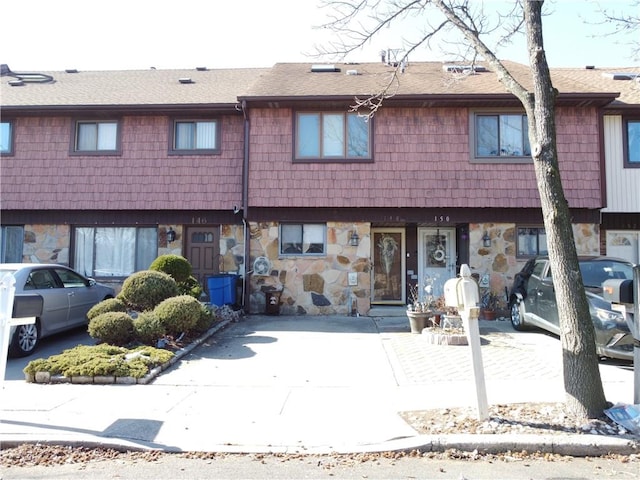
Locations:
171 235
486 240
354 239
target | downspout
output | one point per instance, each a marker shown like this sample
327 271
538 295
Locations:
245 207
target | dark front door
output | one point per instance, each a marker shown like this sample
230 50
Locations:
203 252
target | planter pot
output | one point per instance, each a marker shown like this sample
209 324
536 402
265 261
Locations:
488 314
418 321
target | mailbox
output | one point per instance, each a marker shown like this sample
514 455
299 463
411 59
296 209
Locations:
27 305
618 291
462 293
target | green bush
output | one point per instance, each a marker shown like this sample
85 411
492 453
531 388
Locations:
102 359
114 328
205 319
178 267
190 286
147 328
144 290
178 314
108 305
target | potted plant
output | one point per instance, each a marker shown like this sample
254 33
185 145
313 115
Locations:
490 304
418 312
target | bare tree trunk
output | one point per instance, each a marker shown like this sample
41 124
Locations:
583 385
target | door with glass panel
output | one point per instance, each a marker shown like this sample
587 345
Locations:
436 260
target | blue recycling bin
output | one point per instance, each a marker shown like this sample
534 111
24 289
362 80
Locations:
222 289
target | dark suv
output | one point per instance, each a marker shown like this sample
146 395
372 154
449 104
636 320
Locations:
532 301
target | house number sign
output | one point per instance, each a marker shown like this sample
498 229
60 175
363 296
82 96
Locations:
441 218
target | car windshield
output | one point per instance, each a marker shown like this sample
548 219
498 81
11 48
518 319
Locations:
595 273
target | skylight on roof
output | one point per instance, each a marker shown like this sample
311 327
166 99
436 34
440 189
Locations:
324 68
621 75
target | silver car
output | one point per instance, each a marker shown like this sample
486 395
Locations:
532 301
66 295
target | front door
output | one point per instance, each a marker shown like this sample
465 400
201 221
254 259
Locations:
202 247
388 284
436 260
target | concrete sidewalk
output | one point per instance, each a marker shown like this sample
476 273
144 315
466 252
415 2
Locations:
309 384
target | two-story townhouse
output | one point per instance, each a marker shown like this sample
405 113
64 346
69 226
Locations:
104 171
440 176
620 224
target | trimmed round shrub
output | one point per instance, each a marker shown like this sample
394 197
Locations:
175 265
205 319
108 305
114 328
147 328
178 314
146 289
190 286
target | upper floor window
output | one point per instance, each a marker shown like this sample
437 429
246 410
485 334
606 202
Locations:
114 251
6 137
303 239
332 136
100 137
501 135
532 241
195 136
632 143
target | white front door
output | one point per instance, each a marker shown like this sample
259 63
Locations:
436 259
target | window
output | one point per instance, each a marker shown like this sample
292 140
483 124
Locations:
632 143
303 239
114 251
11 244
195 136
6 137
532 241
332 136
501 135
100 137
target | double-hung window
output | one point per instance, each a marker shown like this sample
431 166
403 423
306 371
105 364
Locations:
96 137
632 143
6 138
114 251
329 136
195 137
303 239
532 241
503 136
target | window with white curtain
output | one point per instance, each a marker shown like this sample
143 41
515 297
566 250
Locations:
96 136
114 251
532 241
199 136
303 239
503 135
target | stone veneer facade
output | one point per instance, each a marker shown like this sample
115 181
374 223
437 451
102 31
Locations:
313 285
318 285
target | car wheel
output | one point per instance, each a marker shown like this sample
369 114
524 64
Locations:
516 316
25 340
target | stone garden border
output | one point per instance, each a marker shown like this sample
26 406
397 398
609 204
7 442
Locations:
46 377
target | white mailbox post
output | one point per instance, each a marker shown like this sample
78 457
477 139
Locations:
7 295
463 294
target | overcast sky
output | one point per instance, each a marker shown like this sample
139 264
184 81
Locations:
40 35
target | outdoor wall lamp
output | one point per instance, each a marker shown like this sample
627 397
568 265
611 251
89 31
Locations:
486 240
354 239
171 235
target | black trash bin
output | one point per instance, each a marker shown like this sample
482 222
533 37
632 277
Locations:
272 299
